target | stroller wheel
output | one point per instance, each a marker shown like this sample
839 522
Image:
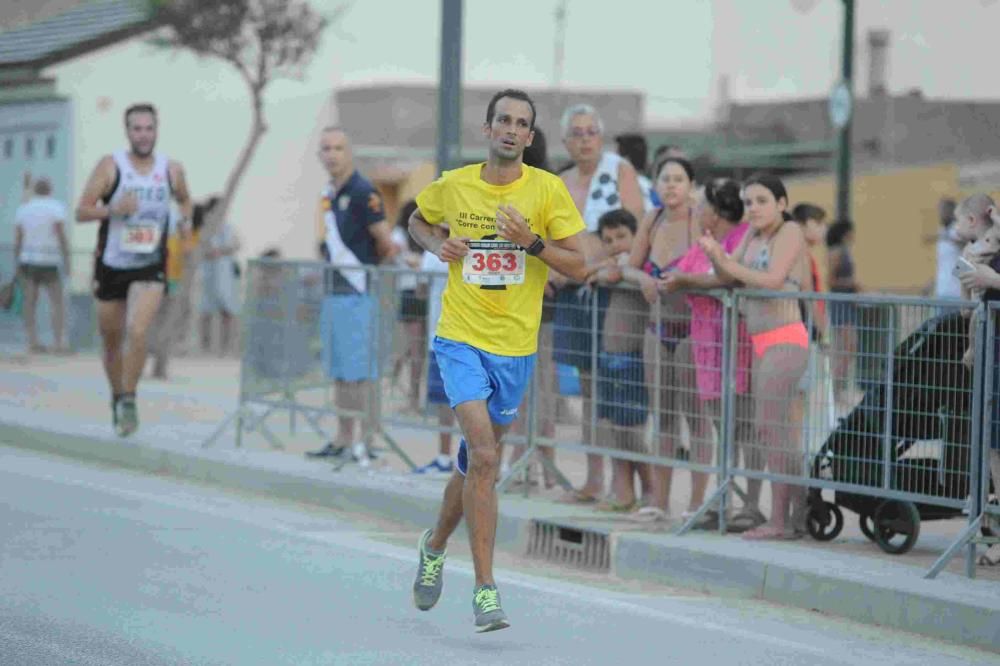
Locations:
897 526
867 526
825 522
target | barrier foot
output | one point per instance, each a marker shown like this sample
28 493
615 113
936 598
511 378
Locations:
246 421
520 466
560 478
712 500
396 449
238 414
968 537
313 421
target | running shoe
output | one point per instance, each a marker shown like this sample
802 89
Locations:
430 578
486 607
435 467
114 416
128 416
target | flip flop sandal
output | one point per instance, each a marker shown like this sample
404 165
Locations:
765 533
611 506
991 557
577 497
746 519
649 514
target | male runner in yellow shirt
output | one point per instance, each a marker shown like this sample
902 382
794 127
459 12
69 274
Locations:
507 224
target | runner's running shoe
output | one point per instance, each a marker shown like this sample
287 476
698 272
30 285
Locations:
127 416
486 607
430 578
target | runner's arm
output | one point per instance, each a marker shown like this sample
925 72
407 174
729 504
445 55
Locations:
182 196
435 240
566 256
90 208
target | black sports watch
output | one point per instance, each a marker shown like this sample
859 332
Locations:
536 248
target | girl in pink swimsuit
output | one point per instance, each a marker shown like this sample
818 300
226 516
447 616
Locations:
719 212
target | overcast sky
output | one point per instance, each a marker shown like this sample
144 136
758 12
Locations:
674 51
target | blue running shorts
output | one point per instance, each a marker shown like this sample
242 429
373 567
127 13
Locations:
469 374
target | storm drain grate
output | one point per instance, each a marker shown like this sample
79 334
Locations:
571 546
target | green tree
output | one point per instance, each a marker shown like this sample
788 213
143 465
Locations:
264 40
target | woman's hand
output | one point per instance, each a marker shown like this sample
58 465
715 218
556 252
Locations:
671 283
983 277
711 248
650 289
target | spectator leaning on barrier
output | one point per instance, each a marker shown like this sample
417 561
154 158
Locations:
598 181
663 237
357 235
40 251
719 212
622 396
976 218
772 256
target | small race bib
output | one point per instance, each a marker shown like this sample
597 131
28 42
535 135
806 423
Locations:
494 262
141 238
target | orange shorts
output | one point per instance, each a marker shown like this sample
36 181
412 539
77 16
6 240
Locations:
790 334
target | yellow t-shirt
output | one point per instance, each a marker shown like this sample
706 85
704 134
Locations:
503 320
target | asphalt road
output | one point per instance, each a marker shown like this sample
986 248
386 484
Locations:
105 567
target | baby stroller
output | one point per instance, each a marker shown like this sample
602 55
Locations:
931 400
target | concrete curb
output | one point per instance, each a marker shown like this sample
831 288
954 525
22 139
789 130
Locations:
867 590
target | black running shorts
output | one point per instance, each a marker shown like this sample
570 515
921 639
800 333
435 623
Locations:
111 284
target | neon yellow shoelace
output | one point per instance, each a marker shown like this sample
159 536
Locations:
487 599
432 569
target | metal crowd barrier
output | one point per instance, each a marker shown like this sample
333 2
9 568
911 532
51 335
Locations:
878 415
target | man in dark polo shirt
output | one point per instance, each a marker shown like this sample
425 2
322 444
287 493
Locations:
357 235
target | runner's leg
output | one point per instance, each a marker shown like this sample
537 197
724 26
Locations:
479 497
111 323
144 299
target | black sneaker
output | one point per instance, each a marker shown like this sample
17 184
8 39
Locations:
328 451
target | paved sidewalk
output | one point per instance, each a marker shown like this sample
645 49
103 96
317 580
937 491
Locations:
60 405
